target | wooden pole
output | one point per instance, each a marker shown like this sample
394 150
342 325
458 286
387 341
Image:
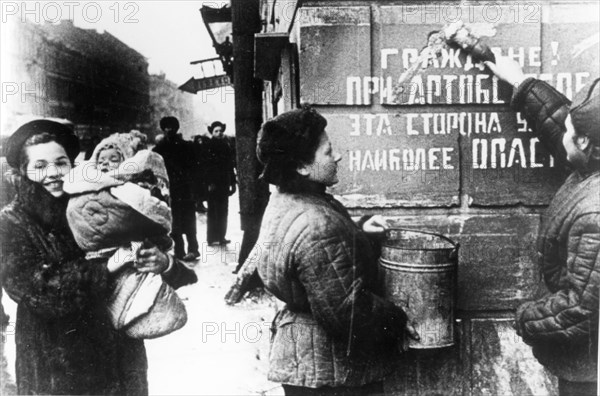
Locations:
248 118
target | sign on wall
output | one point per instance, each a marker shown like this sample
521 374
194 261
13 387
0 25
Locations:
384 165
447 133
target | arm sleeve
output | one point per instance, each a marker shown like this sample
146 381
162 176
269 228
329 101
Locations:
375 239
569 314
49 287
179 275
332 273
545 110
363 219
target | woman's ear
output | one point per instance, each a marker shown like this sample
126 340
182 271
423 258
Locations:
582 142
303 170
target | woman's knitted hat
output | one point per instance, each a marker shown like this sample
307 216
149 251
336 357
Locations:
287 141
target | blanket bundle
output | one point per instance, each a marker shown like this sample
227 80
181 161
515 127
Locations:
127 204
110 214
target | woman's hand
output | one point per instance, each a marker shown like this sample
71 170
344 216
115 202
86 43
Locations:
374 225
410 333
150 258
121 257
507 69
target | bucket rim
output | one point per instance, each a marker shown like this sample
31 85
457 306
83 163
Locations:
455 245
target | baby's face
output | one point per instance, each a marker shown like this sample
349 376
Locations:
109 159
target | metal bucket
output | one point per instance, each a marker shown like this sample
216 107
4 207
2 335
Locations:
417 271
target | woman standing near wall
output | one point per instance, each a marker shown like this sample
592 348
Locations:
334 335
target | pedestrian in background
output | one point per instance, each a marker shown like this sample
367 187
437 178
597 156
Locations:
562 326
220 179
181 168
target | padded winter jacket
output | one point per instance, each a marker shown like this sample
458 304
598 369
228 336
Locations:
562 327
333 331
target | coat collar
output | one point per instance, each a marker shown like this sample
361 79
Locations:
33 199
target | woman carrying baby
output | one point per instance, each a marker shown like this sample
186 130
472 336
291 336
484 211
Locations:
64 341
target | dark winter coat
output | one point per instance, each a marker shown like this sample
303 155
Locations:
179 156
221 164
201 157
65 343
333 331
562 327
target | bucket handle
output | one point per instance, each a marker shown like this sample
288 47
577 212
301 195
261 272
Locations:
454 252
456 245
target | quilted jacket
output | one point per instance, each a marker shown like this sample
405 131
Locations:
562 327
333 330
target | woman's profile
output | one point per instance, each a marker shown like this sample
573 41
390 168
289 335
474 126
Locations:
334 335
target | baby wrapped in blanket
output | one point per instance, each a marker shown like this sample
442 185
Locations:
118 202
119 196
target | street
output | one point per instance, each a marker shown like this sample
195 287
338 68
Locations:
222 350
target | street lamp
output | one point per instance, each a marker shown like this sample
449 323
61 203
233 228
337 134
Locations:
218 25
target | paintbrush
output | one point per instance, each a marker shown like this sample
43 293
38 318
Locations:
458 34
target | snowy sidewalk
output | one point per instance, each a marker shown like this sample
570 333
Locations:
222 350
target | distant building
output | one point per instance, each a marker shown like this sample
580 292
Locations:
90 78
167 99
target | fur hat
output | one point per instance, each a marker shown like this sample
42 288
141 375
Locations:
217 124
169 122
62 129
585 112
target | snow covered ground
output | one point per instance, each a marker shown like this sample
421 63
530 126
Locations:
222 350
